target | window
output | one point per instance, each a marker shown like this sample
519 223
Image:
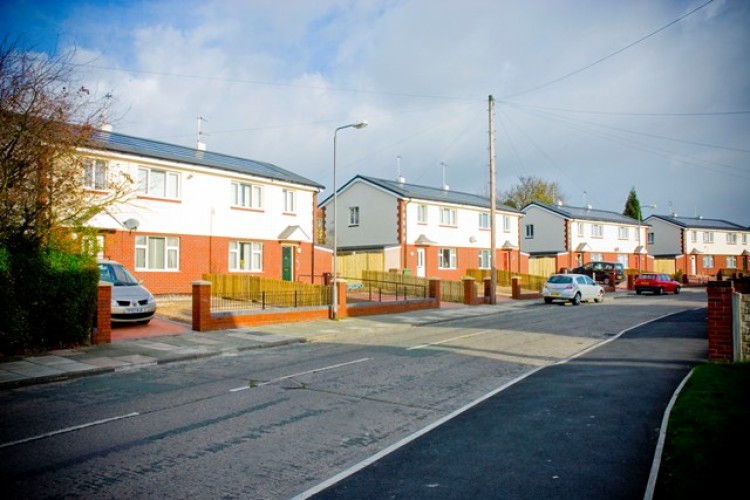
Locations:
484 259
506 223
708 237
447 258
157 253
596 257
708 261
245 256
744 239
529 231
693 236
580 229
650 238
623 233
484 220
247 195
622 258
731 238
597 231
731 261
448 216
290 205
422 214
94 174
93 245
158 183
353 216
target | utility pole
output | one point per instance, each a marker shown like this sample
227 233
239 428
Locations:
493 245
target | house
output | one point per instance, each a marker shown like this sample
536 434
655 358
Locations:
562 236
194 211
698 246
428 231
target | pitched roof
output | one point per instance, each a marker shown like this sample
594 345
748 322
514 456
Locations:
427 193
584 213
699 223
122 143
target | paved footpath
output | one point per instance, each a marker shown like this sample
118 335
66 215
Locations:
134 353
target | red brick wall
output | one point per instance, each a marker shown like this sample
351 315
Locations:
720 321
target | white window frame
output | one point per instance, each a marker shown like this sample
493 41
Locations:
708 262
353 216
623 233
693 236
484 220
596 257
448 254
422 213
448 216
597 230
147 256
529 231
731 262
651 238
581 229
149 184
95 174
484 259
290 201
731 238
247 195
246 256
506 223
708 237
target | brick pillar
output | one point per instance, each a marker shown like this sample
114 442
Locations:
631 282
515 287
341 292
720 320
434 290
470 291
201 305
488 290
103 333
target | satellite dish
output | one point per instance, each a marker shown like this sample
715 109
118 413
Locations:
131 224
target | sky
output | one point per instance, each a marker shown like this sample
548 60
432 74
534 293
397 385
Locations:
599 96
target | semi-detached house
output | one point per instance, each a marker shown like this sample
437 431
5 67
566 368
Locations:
560 236
194 211
430 232
698 246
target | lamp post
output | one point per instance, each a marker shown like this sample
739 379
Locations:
640 222
359 124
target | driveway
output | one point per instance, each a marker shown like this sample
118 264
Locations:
156 327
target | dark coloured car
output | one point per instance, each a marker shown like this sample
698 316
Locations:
601 271
656 283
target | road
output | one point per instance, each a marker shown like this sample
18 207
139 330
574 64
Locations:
277 422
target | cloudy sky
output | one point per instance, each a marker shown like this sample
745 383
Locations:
596 95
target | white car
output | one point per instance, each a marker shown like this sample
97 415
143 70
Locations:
131 302
573 288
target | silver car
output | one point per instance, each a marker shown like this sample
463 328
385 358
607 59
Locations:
573 288
131 301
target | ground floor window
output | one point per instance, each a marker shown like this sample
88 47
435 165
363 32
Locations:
484 259
623 259
245 256
732 262
708 261
157 253
447 258
596 257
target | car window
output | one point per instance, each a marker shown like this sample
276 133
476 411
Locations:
559 279
116 274
589 281
648 276
581 280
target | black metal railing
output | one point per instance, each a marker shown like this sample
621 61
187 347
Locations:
271 300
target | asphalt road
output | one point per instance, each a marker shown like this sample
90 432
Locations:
282 422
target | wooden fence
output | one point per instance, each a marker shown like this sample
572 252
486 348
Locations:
450 291
237 291
529 282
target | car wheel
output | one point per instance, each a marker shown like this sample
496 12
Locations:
600 297
659 291
638 292
547 300
677 291
577 299
606 281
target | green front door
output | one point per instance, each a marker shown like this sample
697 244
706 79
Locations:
287 268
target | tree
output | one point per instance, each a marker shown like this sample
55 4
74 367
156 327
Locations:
530 188
43 125
633 206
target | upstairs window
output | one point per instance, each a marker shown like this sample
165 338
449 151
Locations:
623 233
506 223
693 236
597 231
731 238
290 205
422 214
484 220
580 229
353 216
247 195
448 216
708 237
95 174
529 231
650 238
158 183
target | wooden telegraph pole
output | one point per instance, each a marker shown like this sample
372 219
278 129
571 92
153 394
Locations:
493 263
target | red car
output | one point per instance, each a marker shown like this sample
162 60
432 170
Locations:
656 283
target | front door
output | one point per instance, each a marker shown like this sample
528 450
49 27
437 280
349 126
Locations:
420 262
693 269
287 263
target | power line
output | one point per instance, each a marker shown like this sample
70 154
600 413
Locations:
626 113
623 49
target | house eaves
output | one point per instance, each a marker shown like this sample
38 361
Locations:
699 223
121 143
585 213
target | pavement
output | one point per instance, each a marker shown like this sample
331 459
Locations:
165 341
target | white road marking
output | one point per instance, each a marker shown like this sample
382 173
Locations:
423 346
68 429
245 387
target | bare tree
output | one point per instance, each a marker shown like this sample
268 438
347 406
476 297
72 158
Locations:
45 119
530 188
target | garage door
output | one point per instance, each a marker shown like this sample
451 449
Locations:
542 266
665 266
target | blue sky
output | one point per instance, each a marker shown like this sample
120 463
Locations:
585 97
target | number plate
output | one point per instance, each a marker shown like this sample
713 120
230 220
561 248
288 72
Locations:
135 310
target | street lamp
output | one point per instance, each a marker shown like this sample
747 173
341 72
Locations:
640 222
359 124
